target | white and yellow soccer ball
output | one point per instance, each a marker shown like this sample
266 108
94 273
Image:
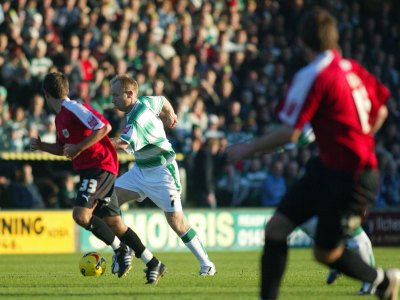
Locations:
92 264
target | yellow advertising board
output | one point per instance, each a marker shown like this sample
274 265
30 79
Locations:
36 232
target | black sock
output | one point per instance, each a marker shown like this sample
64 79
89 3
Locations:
153 262
101 230
132 240
384 284
351 264
273 265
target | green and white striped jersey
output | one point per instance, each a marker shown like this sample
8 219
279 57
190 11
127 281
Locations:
145 134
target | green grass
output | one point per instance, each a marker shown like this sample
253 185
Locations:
57 277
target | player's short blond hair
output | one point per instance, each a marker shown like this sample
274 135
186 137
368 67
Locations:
127 83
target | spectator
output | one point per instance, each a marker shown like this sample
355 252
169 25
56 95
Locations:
198 115
40 64
19 129
4 109
255 177
274 186
49 134
4 187
213 128
228 191
251 184
235 132
208 92
291 173
191 152
188 79
36 116
183 45
49 192
23 192
102 100
67 192
88 64
390 184
204 172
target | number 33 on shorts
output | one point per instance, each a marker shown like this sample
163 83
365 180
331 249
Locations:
88 185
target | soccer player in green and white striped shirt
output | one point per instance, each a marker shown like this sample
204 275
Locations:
155 173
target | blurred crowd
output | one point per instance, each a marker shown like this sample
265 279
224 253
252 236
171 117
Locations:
224 65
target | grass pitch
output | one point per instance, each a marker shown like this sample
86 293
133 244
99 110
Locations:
57 277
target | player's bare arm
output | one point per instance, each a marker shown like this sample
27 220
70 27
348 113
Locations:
168 115
265 144
380 119
73 150
37 144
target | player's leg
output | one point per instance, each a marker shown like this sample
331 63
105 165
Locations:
360 242
351 264
339 215
190 238
309 228
170 203
125 195
331 231
126 234
274 259
85 204
126 188
96 194
295 208
130 238
84 217
162 186
99 184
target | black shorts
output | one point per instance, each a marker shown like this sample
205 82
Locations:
96 187
339 199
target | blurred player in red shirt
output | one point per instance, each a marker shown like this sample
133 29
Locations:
345 106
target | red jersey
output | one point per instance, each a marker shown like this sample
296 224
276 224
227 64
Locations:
341 101
74 123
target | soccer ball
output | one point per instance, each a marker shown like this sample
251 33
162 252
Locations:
92 264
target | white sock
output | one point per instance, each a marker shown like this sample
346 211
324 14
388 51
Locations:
379 278
365 248
146 256
361 243
116 243
192 241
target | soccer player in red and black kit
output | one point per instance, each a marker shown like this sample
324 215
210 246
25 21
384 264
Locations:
82 137
345 106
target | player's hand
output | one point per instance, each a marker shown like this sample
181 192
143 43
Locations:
35 143
172 119
169 119
237 152
119 144
71 151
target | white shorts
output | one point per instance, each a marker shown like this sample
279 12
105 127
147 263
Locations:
161 184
